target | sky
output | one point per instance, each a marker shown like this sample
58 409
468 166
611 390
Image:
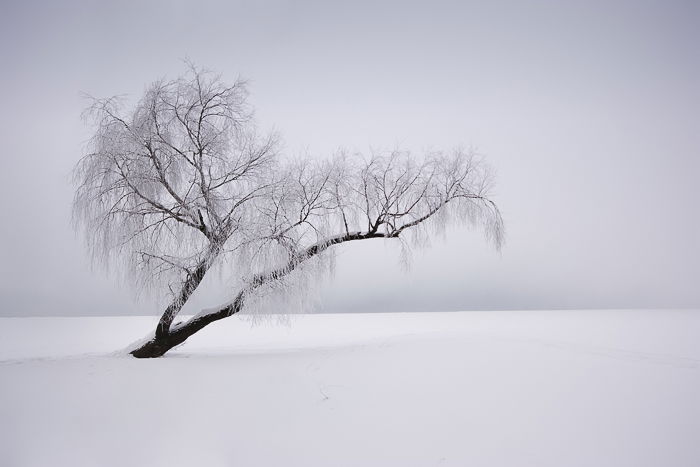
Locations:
588 111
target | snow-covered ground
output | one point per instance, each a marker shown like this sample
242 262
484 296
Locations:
520 388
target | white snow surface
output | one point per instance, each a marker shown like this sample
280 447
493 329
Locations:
498 388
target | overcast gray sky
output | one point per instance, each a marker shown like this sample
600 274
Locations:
588 111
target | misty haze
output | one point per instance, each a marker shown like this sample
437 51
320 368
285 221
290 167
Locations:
358 233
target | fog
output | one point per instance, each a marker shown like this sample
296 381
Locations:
588 112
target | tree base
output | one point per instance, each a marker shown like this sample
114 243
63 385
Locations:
152 349
164 341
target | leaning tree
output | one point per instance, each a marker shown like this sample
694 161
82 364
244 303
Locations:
184 182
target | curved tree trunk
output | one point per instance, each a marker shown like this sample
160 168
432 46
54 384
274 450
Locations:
167 337
160 344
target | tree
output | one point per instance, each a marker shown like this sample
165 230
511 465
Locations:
185 181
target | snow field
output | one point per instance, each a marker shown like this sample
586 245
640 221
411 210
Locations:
541 388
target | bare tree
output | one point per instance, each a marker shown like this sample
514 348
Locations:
185 180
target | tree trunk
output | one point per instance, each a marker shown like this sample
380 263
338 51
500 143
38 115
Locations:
160 344
190 285
166 337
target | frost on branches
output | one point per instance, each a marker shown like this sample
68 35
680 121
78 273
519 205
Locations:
184 182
